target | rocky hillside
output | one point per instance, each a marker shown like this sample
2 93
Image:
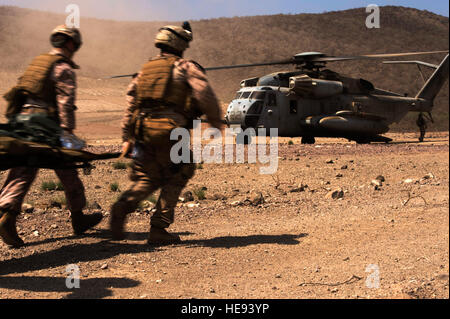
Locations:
112 47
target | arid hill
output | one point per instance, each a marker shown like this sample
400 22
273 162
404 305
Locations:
112 47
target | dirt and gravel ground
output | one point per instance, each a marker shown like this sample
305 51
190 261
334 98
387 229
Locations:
256 236
318 228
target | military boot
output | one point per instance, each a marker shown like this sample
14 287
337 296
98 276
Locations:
8 231
160 236
81 222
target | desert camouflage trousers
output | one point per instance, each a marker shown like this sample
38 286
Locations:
154 170
19 181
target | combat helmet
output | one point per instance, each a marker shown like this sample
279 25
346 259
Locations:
62 33
174 37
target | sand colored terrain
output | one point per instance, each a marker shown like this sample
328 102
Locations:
295 243
112 47
253 235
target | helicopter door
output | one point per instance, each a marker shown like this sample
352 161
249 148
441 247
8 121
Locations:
271 112
253 114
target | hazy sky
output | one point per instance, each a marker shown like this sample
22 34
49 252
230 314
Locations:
175 10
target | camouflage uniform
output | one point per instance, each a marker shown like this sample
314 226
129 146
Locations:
48 86
51 85
422 124
153 169
20 179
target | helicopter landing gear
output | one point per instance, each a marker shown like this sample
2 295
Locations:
308 140
362 141
369 139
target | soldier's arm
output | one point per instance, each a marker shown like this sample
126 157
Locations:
131 107
65 85
203 95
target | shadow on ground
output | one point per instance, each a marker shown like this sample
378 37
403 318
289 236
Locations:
88 288
71 254
105 249
241 241
101 234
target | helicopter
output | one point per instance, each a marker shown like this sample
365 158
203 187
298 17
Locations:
312 101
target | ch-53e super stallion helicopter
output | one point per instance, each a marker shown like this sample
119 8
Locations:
316 102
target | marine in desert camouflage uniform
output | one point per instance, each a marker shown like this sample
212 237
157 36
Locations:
169 92
53 74
422 124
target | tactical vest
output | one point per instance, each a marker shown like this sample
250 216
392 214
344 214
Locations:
35 83
157 89
157 92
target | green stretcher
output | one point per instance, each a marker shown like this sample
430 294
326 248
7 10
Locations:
15 152
33 140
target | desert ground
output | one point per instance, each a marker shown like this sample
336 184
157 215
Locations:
336 220
322 226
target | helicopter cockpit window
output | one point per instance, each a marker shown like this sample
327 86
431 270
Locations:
245 95
238 94
258 95
272 100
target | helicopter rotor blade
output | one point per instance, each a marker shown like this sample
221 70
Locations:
307 59
225 67
373 56
403 54
121 76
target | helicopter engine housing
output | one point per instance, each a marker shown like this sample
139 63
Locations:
304 85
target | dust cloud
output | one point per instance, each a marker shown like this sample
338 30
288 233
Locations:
109 47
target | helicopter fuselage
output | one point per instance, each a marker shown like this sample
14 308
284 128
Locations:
312 101
353 116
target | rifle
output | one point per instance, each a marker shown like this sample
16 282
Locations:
122 76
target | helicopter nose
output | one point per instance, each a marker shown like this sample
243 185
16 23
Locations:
236 112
